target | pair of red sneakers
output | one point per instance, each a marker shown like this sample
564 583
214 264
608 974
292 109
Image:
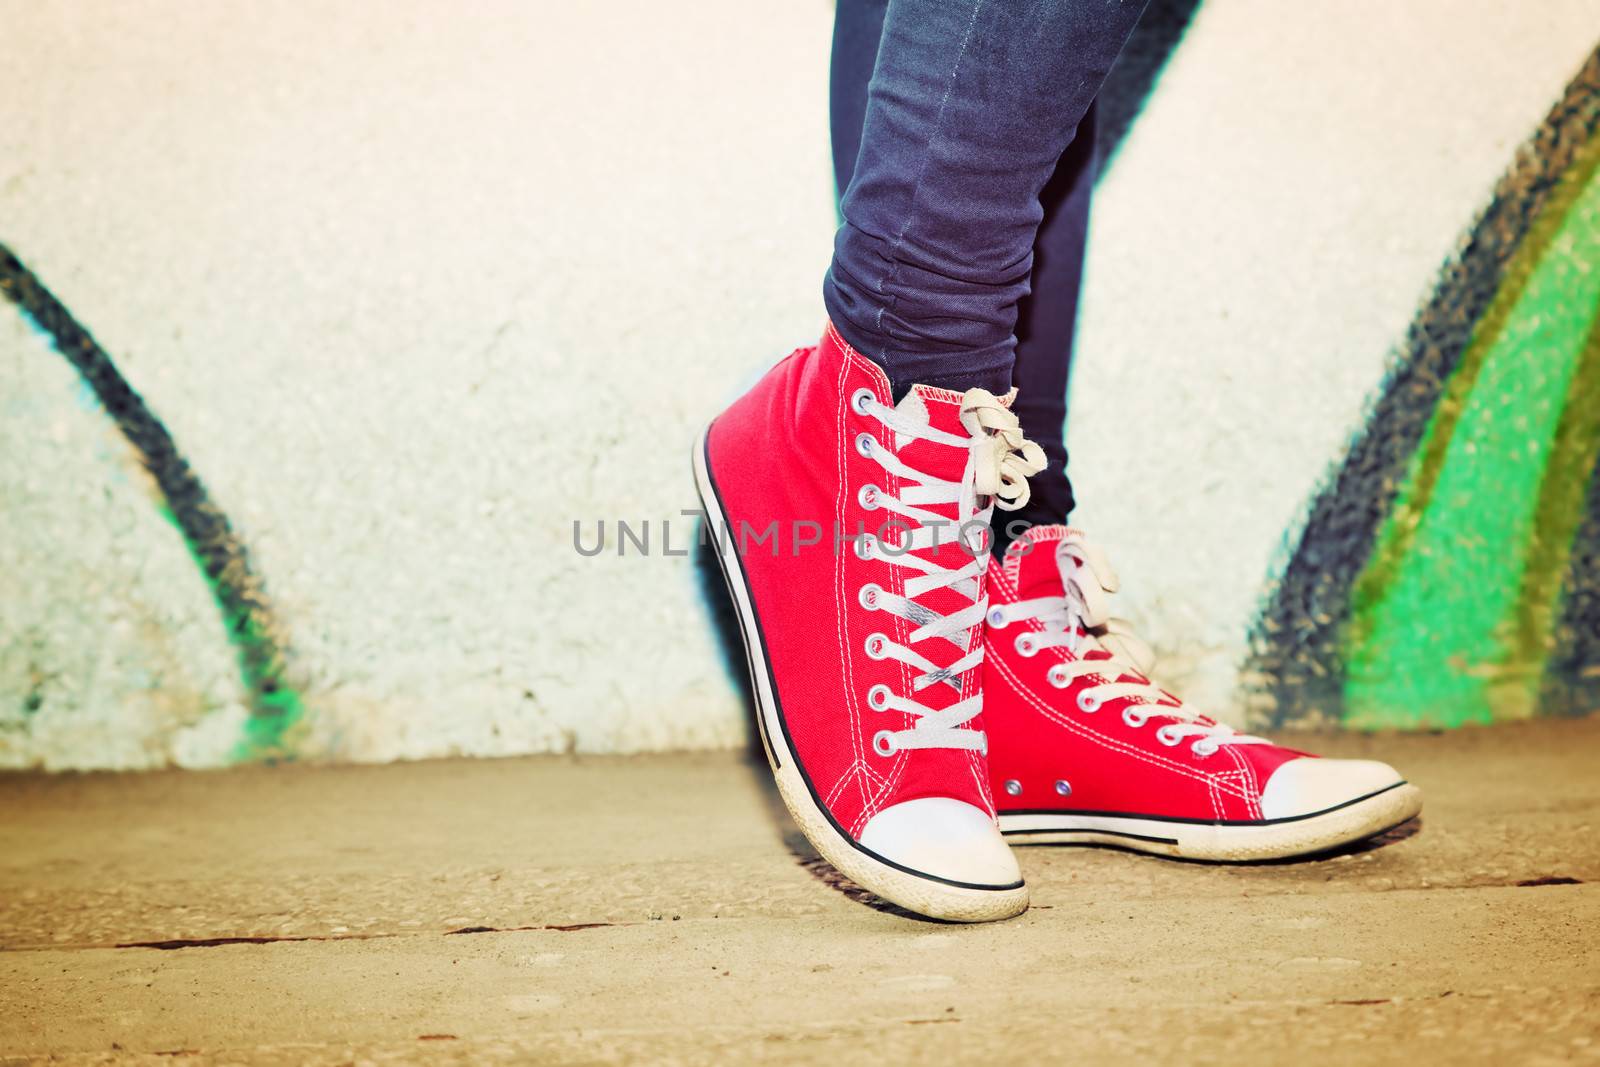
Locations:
920 702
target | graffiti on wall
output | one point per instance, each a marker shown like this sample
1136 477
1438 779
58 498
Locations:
1447 572
252 626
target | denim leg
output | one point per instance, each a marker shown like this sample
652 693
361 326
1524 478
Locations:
857 29
969 107
1046 327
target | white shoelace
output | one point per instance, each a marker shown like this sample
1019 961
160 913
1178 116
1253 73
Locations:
999 461
1081 622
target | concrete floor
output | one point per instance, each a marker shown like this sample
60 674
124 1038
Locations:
617 909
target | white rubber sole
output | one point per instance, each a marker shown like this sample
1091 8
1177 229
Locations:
1237 842
924 894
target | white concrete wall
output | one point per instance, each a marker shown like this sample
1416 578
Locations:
415 286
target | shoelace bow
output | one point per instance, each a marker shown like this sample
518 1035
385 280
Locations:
1081 622
999 462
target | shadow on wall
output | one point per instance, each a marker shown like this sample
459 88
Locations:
725 624
1125 92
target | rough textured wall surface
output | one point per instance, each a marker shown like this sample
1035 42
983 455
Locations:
1342 457
386 298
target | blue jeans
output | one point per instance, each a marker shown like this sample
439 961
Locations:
963 145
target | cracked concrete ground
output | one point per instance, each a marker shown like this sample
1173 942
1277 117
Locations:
662 909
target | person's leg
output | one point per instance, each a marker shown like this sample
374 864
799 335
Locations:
1046 317
857 29
968 110
865 648
1063 764
1046 326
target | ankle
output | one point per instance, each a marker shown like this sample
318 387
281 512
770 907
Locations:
939 364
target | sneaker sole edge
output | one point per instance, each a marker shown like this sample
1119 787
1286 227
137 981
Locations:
1213 842
925 894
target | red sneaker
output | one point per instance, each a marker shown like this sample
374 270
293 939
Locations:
852 536
1084 748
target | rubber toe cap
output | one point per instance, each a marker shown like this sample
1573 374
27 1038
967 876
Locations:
1309 785
944 838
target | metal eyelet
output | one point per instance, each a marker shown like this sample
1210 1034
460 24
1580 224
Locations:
865 443
1063 787
1201 750
877 646
1088 704
1166 737
997 618
1024 645
1134 718
860 399
882 743
878 697
867 497
869 596
865 545
1057 676
1013 787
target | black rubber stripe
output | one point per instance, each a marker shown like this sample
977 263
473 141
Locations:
783 723
1196 822
744 636
1087 830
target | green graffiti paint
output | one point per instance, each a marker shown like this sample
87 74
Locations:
1297 666
1560 512
252 626
275 705
1450 619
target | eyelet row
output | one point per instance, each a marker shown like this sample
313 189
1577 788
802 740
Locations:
1165 734
1058 677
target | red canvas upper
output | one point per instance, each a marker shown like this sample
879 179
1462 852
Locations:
787 452
1039 735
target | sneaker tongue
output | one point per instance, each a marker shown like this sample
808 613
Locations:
1030 562
941 410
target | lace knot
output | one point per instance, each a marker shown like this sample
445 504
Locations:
1003 459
